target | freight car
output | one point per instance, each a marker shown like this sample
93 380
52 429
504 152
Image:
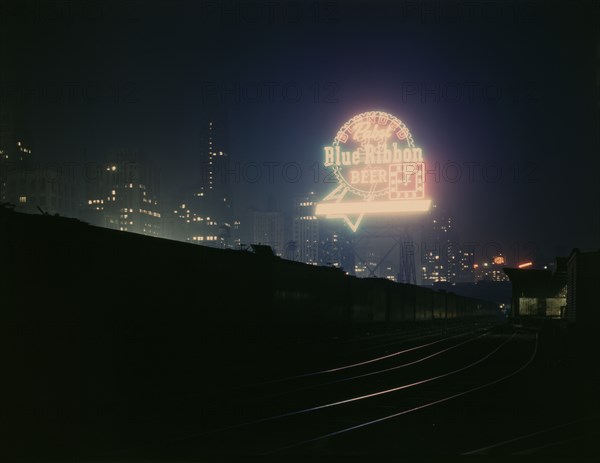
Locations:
322 295
100 277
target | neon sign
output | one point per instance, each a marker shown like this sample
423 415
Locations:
378 168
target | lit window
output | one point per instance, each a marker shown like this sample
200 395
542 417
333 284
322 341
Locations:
22 199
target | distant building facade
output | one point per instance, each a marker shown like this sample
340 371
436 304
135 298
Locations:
15 141
491 270
442 260
268 229
45 190
306 230
125 196
203 213
336 248
29 185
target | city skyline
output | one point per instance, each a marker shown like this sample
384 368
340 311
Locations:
490 129
281 230
211 195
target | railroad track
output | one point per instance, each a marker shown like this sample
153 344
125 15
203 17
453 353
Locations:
300 413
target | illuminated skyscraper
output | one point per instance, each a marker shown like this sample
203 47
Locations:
30 187
306 229
125 196
440 253
466 262
336 247
213 194
202 213
491 270
187 223
215 161
15 149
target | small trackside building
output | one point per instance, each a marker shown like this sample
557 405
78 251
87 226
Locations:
538 294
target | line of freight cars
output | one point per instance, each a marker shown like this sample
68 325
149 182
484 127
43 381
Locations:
304 293
95 277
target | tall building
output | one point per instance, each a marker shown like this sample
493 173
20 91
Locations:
336 247
306 230
368 262
36 190
466 263
407 272
215 181
15 149
203 213
443 258
268 229
491 270
188 224
212 195
439 251
30 187
126 196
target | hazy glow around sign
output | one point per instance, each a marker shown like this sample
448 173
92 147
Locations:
375 160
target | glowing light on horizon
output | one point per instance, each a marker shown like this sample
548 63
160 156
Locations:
525 264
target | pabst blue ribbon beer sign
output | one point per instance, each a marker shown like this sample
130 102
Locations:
378 167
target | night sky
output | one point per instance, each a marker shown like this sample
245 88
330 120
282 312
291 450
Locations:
509 87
